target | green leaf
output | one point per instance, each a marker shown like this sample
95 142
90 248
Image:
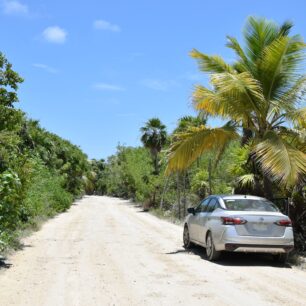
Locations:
194 143
212 64
280 160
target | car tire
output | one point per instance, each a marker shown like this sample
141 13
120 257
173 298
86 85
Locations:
186 238
211 253
281 258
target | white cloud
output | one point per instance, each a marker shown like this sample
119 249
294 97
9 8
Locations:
160 85
55 35
107 87
105 25
45 67
13 7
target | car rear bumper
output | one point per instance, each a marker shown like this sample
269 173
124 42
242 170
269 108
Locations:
231 241
253 248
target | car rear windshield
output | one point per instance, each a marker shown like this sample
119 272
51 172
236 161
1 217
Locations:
249 205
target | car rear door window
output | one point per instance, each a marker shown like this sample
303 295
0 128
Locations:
218 205
212 205
204 205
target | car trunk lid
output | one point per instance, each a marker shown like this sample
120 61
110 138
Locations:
260 224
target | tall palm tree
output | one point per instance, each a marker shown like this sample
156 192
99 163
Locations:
154 137
260 95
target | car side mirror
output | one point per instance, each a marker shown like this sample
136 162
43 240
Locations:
191 210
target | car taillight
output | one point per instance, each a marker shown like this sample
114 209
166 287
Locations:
233 221
283 222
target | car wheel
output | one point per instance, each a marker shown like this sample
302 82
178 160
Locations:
211 253
281 258
186 238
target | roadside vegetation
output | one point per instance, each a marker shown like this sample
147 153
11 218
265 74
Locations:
40 173
259 150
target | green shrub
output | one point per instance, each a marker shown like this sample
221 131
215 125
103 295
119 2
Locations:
45 195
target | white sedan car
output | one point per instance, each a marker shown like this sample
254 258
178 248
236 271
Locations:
238 223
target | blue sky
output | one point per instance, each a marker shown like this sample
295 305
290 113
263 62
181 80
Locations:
95 71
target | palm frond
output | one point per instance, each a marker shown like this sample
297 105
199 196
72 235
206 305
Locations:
234 84
212 64
236 96
287 102
234 44
298 117
280 160
285 28
242 91
296 137
259 33
280 64
295 94
208 101
243 64
221 150
246 180
192 144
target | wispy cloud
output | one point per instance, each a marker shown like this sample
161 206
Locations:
105 25
55 35
45 67
160 85
14 7
107 87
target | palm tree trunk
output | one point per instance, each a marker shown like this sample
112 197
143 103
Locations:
184 193
179 195
154 197
209 177
163 194
267 188
156 165
155 161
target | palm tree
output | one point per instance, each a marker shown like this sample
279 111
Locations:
154 137
260 95
184 123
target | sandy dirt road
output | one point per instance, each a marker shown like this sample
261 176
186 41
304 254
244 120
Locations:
105 251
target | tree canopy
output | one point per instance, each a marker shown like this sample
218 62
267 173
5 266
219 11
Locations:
261 92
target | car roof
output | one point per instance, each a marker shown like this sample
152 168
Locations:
237 196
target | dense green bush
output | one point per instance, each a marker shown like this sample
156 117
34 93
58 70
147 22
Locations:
128 173
9 206
45 195
40 173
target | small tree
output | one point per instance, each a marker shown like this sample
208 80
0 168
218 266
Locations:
9 80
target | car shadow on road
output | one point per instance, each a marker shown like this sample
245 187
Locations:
196 250
235 259
19 247
250 259
4 264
